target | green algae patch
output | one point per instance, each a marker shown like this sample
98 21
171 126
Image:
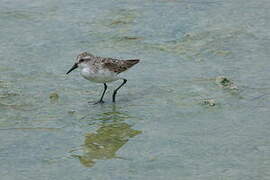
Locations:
3 84
214 42
8 94
225 83
54 97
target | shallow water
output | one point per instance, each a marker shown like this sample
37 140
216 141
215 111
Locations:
160 127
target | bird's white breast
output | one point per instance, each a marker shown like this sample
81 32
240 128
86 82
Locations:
99 76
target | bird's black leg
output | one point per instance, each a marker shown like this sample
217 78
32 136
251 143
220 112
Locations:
115 91
101 99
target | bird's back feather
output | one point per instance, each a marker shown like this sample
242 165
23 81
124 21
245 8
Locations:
119 66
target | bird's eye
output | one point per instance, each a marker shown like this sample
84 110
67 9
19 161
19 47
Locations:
81 60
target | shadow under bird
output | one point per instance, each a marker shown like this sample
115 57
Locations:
102 70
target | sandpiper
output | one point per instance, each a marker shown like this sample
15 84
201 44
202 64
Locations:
102 70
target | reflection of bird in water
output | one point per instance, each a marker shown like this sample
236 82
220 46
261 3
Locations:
107 140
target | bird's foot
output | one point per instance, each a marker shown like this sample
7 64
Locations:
98 102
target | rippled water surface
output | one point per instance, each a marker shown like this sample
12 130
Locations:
176 118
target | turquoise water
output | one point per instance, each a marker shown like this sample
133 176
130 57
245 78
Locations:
162 126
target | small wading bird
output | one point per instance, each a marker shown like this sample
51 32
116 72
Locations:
102 70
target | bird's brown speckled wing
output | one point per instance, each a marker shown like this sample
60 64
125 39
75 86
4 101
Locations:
119 66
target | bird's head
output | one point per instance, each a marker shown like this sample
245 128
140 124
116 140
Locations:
81 61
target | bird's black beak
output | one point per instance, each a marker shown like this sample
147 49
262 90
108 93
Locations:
72 68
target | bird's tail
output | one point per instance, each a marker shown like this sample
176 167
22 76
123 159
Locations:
132 62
